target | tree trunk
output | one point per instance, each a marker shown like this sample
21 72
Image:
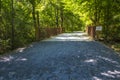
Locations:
96 13
56 15
0 9
107 20
61 15
38 24
34 21
12 24
0 12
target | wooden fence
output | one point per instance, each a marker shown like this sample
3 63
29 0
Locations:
47 32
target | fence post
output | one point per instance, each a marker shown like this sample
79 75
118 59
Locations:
91 31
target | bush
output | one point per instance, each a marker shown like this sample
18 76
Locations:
4 46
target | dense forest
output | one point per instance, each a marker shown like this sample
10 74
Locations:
21 20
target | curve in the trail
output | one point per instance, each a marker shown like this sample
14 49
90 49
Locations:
68 56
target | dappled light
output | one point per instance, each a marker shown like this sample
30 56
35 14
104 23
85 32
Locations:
71 38
108 59
21 59
114 72
108 75
6 59
91 61
111 74
21 49
12 59
76 36
59 39
96 78
67 56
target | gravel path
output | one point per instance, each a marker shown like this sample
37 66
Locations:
68 56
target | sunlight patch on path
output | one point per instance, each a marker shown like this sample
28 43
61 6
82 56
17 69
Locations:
76 36
67 56
6 59
96 78
91 61
21 49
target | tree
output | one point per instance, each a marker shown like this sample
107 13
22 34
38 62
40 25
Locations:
34 4
17 18
12 24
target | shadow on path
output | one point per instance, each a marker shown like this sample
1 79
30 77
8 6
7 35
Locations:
68 56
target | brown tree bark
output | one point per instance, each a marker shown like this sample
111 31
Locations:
38 24
12 25
34 21
61 15
57 16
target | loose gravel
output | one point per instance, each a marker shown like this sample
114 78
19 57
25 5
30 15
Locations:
68 56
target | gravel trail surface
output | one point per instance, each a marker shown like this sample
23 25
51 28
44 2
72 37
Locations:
68 56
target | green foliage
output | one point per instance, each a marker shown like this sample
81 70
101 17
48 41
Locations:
105 13
68 14
4 45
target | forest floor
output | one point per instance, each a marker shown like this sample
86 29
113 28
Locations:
68 56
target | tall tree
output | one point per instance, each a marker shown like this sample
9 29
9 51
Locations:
34 4
12 24
62 13
57 13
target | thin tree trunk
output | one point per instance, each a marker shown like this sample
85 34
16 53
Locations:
107 20
61 15
35 23
0 12
38 24
12 23
0 8
96 13
56 15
